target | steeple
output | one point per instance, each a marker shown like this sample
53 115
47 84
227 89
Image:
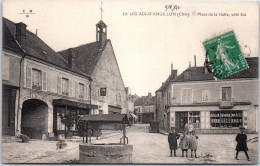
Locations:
101 31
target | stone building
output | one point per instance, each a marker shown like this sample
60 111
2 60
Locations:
98 60
39 85
145 108
212 106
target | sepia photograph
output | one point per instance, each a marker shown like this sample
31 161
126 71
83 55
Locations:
130 82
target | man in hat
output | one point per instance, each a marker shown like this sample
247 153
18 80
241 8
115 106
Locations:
172 140
241 139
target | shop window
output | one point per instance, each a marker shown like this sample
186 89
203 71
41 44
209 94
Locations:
36 79
226 93
194 118
65 86
226 119
81 90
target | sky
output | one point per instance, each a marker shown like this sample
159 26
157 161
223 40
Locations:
145 46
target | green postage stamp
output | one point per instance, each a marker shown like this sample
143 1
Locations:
225 55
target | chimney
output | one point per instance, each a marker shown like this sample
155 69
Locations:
189 64
195 60
127 90
149 94
71 58
21 33
173 72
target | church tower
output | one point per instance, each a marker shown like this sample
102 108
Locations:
101 33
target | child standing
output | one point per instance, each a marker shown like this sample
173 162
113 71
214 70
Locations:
193 143
172 140
241 143
184 144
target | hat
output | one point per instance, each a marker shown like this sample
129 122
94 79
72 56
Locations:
241 127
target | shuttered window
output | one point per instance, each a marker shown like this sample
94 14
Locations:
29 77
81 90
59 85
186 96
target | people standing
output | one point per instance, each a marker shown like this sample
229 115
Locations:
172 140
241 139
184 143
193 143
191 127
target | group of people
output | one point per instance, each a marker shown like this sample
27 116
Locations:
189 140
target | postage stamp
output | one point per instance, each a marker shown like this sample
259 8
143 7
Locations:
225 55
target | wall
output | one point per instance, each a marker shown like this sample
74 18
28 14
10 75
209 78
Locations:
107 73
10 68
242 90
50 93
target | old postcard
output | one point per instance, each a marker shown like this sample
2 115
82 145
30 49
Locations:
130 82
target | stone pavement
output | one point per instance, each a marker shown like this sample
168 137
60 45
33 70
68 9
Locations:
148 148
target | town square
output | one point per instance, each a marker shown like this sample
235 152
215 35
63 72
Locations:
92 82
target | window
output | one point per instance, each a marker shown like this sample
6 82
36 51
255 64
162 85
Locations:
186 96
100 111
36 79
226 119
81 90
226 93
65 86
194 118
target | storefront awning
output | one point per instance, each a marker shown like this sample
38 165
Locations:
133 115
64 102
114 109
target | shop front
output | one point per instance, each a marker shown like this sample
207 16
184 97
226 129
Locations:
210 118
66 113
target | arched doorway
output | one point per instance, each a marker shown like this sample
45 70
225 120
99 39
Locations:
34 120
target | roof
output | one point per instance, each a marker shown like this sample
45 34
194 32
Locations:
64 102
87 56
198 73
106 118
145 100
34 47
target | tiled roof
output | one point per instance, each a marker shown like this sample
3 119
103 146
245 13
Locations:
198 73
145 100
35 47
87 56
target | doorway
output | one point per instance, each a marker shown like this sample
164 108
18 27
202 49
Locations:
34 121
181 120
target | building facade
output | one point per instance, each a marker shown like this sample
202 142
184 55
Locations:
98 60
211 106
39 86
145 108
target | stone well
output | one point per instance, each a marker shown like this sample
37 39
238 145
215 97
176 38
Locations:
105 153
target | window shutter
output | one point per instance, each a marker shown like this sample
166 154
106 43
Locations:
59 85
29 77
86 95
76 89
70 86
189 95
44 81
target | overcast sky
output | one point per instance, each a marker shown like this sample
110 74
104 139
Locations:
145 46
